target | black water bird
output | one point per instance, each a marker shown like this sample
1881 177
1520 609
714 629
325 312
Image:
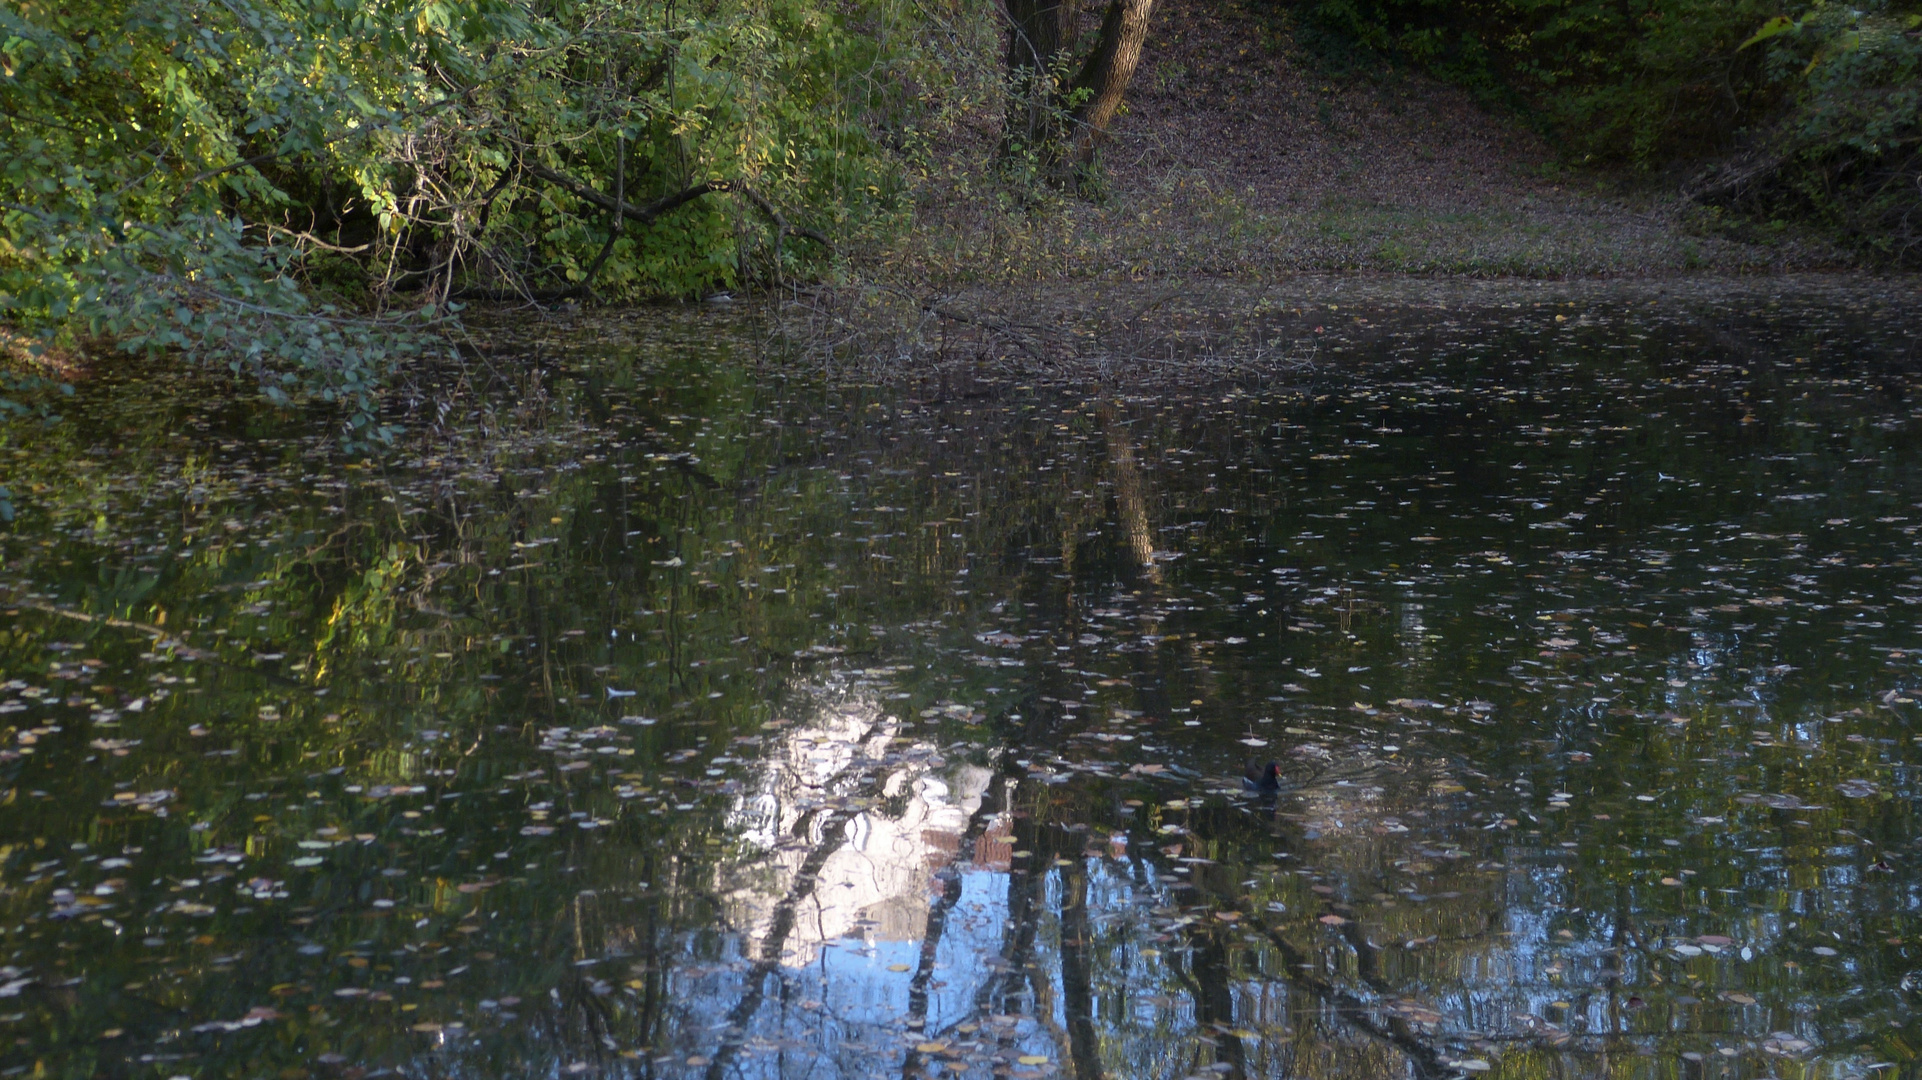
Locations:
1259 779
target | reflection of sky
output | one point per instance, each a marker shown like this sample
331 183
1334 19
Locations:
841 1000
845 1011
862 988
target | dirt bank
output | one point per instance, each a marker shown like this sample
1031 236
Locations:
1239 156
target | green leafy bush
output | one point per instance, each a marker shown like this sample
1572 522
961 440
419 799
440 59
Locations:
1847 154
303 190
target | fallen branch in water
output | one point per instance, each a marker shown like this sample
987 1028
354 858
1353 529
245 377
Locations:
160 636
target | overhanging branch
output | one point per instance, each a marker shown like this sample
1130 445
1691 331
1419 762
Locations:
644 214
647 213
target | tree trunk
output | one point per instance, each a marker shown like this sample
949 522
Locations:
1038 30
1106 73
1061 123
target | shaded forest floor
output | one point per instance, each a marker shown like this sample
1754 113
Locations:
1241 156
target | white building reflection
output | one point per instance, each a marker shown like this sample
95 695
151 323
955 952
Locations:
875 885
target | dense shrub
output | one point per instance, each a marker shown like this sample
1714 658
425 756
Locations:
1847 152
299 188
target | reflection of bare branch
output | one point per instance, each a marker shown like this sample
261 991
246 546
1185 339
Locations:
938 911
1428 1061
1026 902
834 834
716 907
161 638
1017 946
1043 1012
1207 978
654 983
1368 967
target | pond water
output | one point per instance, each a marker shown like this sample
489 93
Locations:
656 713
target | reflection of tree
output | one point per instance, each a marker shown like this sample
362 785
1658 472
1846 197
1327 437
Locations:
456 605
767 965
1212 980
1056 866
994 803
1131 501
1077 976
848 729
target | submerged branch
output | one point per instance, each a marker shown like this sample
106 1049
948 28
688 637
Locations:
160 637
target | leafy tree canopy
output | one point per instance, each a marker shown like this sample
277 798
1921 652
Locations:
305 189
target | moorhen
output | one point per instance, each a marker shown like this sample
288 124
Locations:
1261 779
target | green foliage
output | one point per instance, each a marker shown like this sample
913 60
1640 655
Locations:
1848 155
1826 92
299 189
135 133
26 395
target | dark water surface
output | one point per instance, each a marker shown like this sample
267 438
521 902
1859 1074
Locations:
660 715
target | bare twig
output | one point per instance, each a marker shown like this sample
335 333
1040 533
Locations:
642 214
